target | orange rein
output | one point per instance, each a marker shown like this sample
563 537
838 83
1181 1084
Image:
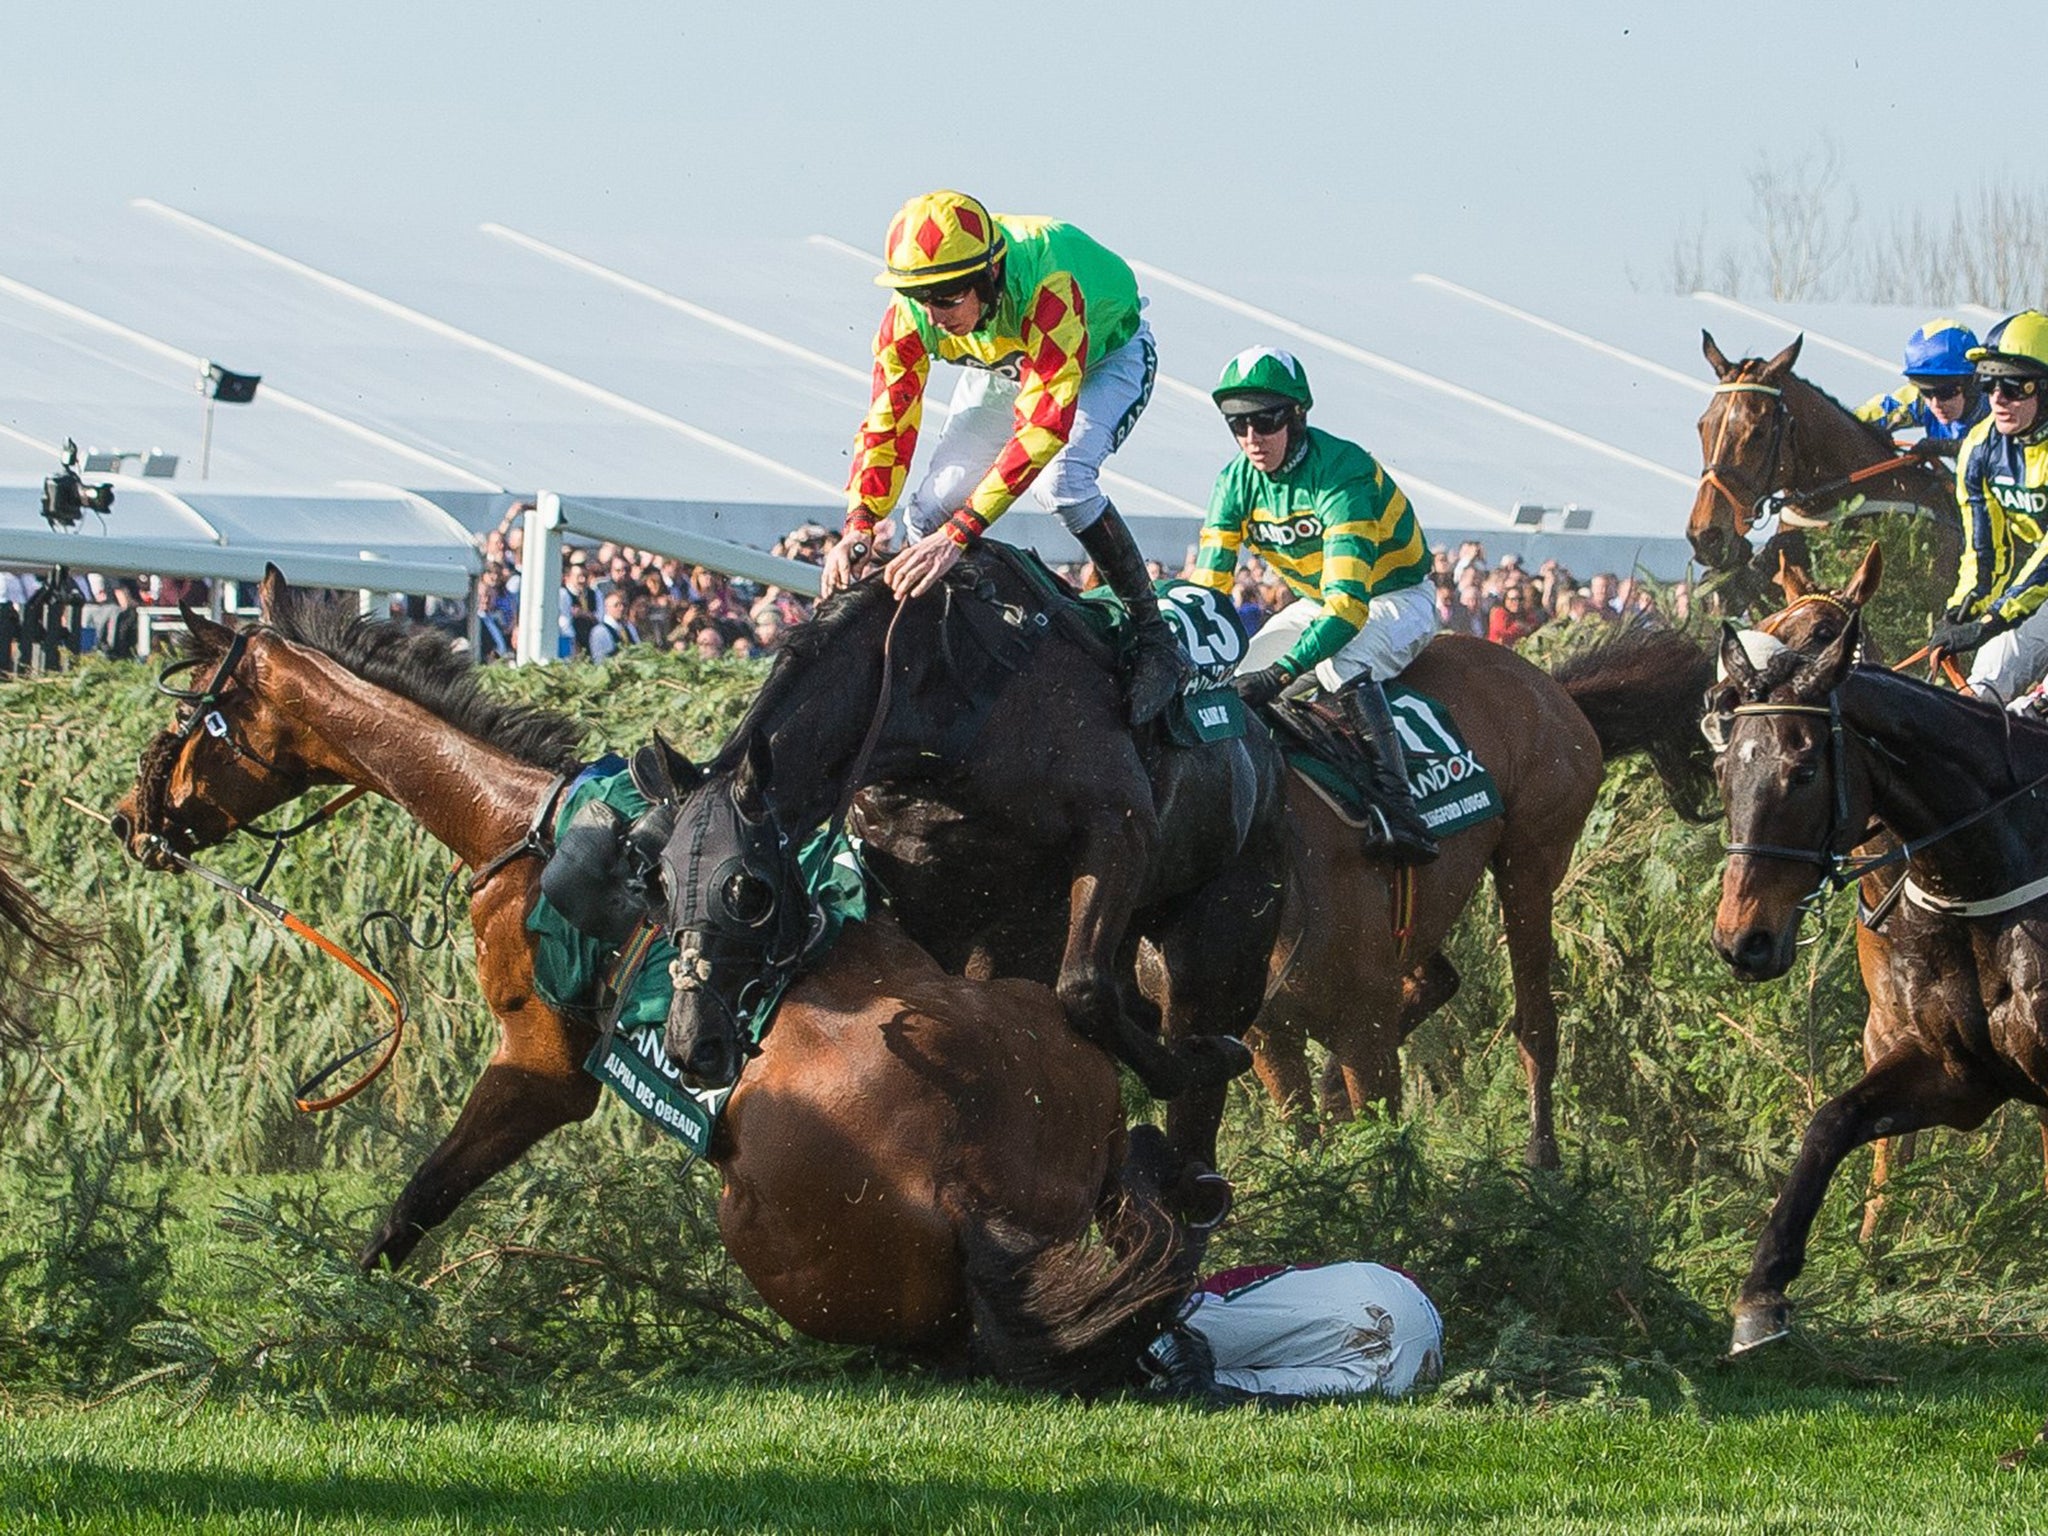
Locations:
1745 512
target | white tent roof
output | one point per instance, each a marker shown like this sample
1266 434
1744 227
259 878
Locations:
471 363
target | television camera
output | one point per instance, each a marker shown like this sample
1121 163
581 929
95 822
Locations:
67 498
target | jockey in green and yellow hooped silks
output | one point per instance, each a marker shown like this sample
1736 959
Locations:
1059 364
1941 396
1333 525
2001 599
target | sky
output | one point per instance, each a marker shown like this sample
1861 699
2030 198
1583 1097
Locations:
1534 148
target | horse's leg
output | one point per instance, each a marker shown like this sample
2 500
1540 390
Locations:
1214 948
534 1084
1890 1154
1353 1086
1907 1091
1280 1058
1113 854
1527 877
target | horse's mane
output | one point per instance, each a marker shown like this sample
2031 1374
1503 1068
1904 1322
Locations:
420 663
1640 689
802 647
1870 429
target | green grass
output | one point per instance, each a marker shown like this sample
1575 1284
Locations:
1756 1453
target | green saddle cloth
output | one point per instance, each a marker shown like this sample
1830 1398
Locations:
1452 788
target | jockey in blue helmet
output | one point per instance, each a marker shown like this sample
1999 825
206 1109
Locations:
1941 396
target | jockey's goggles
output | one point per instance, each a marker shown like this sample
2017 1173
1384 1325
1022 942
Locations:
2012 389
1265 422
1940 389
942 298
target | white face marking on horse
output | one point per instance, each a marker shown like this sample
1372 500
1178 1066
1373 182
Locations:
1747 752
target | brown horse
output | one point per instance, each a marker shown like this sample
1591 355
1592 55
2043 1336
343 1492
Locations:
1340 973
1767 435
915 1159
32 944
1818 754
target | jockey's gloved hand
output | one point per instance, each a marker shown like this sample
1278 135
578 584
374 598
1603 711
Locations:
1965 635
1262 686
1937 447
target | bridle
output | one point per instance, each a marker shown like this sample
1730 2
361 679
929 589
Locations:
711 862
200 711
1747 512
1838 870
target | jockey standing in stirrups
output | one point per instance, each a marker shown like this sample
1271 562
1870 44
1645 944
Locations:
1334 526
2002 492
1059 365
1940 396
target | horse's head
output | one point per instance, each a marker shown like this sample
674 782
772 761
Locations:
1813 616
1742 446
228 757
738 911
1796 798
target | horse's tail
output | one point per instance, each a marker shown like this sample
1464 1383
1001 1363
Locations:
1641 691
1074 1315
31 942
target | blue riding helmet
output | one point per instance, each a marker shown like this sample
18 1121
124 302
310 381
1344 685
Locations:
1940 349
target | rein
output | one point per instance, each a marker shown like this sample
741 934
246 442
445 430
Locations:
1786 505
201 712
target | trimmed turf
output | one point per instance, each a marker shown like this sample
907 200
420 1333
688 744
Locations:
1761 1452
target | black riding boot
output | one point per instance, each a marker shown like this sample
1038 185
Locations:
1403 837
1158 664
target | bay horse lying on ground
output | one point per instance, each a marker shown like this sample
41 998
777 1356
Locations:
1820 752
1018 823
912 1162
1767 432
1340 973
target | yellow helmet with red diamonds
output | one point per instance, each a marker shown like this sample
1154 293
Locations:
939 237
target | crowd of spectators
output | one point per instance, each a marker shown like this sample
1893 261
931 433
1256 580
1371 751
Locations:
611 597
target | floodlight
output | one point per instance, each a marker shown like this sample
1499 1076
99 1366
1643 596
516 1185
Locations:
158 465
1529 514
100 463
1577 518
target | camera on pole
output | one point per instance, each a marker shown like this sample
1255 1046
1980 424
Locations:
66 498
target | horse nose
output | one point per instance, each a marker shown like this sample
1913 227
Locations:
1753 955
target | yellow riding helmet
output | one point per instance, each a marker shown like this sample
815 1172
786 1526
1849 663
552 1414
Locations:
2016 347
937 237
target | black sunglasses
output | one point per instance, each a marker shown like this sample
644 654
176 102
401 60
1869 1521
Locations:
1943 391
942 298
1265 423
2012 389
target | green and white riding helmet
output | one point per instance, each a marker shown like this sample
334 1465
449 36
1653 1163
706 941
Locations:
1260 378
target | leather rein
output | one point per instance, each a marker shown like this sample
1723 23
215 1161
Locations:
201 711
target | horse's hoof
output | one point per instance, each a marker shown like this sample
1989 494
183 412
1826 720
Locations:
1758 1323
1216 1059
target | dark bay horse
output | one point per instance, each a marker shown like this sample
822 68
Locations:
1019 825
1767 432
914 1160
1340 973
1811 619
1819 754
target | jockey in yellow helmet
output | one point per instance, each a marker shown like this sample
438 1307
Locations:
1059 364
